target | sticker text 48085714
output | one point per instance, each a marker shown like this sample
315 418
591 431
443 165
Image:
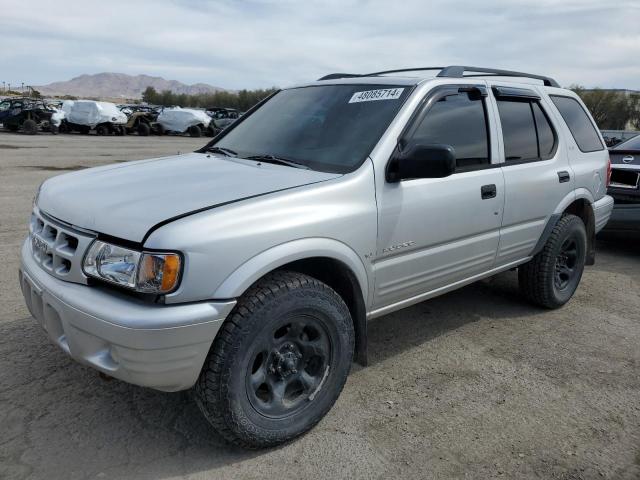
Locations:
373 95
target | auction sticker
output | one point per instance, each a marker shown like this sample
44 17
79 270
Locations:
373 95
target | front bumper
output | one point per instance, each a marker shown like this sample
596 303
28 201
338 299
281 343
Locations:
152 345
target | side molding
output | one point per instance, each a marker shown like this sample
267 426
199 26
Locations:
548 228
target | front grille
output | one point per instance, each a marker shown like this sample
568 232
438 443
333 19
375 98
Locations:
58 248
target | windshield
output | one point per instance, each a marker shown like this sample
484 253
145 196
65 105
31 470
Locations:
631 144
331 128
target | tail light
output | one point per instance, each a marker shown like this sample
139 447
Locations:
609 172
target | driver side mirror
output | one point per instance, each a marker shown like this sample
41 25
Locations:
422 161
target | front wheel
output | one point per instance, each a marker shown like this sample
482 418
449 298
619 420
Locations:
195 131
552 276
278 363
30 127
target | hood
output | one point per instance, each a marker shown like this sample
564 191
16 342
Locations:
127 200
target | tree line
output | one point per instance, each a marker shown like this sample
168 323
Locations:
611 109
241 100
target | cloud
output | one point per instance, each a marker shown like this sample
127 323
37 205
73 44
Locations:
261 43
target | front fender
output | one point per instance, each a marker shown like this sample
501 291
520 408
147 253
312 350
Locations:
261 264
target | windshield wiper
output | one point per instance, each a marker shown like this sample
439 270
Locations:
224 151
268 158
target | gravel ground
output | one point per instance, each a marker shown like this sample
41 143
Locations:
474 384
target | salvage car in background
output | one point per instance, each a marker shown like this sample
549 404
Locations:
29 115
221 118
141 120
625 187
185 120
86 115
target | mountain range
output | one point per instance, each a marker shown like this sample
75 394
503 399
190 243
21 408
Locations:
120 85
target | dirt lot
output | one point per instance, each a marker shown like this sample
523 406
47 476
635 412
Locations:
475 384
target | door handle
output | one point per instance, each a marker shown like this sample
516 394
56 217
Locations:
563 176
488 191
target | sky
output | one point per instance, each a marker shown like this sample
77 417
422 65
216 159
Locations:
263 43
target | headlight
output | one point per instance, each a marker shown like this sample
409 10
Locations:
147 272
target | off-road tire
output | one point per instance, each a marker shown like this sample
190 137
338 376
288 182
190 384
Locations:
102 130
143 129
222 390
195 131
30 127
537 278
159 129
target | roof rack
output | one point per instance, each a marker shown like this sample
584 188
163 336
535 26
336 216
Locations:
453 71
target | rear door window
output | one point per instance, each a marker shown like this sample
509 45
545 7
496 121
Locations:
526 130
546 136
518 130
579 123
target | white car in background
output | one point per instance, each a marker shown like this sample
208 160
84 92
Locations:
87 115
185 120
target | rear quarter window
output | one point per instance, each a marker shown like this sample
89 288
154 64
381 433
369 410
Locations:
579 123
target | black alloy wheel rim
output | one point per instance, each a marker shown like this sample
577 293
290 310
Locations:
288 366
566 262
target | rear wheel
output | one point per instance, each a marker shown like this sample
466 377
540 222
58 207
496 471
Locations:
195 131
143 129
552 276
30 127
102 130
279 362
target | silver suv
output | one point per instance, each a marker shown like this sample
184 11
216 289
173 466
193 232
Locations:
248 270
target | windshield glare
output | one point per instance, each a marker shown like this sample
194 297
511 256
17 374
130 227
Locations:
631 144
331 128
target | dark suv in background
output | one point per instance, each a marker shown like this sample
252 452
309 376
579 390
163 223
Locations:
625 187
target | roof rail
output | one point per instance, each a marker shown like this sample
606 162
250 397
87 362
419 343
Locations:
333 76
452 71
456 71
